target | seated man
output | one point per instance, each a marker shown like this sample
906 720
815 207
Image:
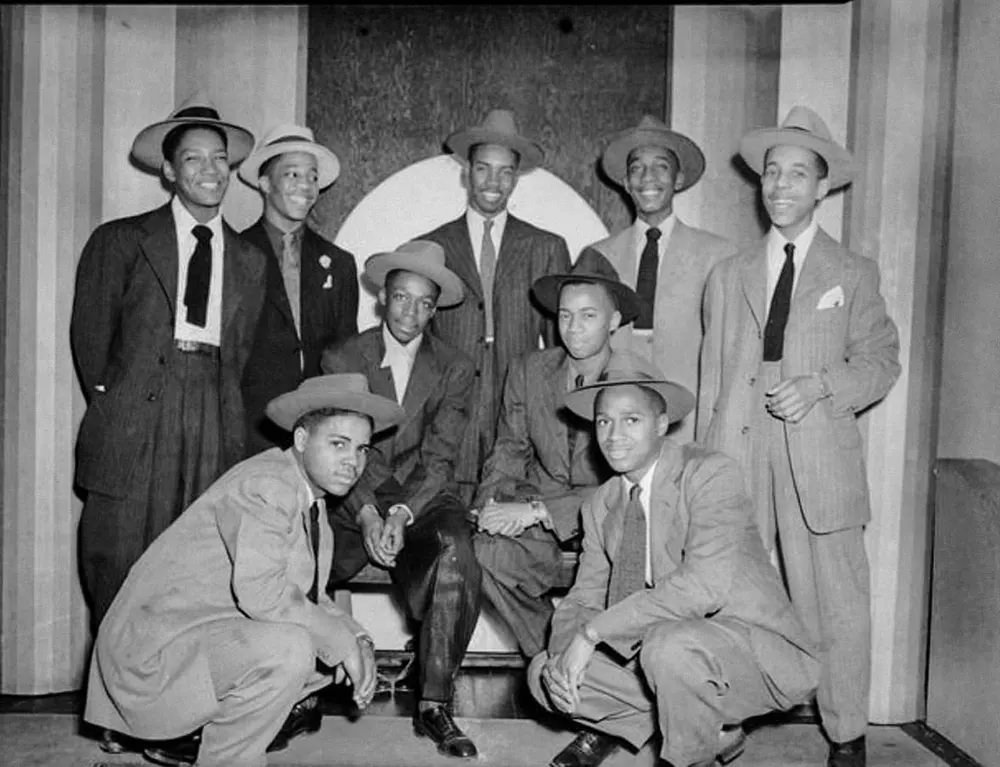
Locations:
405 514
219 624
677 621
543 464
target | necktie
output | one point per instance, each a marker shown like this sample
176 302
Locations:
199 275
777 315
645 284
487 268
313 593
628 573
572 432
290 274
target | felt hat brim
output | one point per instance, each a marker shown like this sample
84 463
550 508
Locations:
840 162
530 153
548 287
689 157
148 145
327 163
380 264
287 408
680 401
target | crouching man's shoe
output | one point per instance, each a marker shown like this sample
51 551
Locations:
588 749
849 754
732 743
179 752
437 724
305 716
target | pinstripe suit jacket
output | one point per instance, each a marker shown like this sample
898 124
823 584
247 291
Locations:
675 343
854 345
531 458
526 253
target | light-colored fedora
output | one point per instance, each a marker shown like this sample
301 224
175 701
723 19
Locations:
653 132
802 127
423 257
499 127
626 367
348 391
284 138
548 288
194 110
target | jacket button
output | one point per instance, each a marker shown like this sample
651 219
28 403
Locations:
151 397
162 360
745 430
752 380
478 373
481 305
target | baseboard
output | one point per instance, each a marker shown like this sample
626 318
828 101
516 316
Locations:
939 745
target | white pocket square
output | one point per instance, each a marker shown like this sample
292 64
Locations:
833 298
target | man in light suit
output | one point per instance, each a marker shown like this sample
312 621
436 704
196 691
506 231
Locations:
498 257
312 285
405 514
797 342
163 318
220 623
664 259
676 622
544 464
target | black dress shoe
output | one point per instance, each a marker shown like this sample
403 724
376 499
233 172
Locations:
849 754
305 716
588 749
179 752
732 744
437 724
115 743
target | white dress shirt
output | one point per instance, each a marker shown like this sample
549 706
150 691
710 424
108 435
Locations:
646 485
776 255
184 223
399 358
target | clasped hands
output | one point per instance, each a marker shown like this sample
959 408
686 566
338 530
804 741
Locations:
792 399
383 538
359 670
563 673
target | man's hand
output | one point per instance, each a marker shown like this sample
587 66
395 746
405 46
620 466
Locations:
371 532
792 399
391 542
360 668
509 519
563 673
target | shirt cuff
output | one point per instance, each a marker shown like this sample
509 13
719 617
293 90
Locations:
402 507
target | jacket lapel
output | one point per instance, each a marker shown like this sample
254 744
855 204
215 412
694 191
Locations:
276 293
753 278
424 377
666 522
373 350
819 274
460 255
234 283
159 247
551 395
312 294
510 256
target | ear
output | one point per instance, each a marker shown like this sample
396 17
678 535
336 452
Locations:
168 172
264 182
822 189
616 321
299 438
678 180
382 298
662 424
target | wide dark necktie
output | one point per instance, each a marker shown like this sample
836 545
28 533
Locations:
313 593
781 301
572 433
645 284
199 276
487 269
628 571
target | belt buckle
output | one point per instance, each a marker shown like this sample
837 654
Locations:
194 347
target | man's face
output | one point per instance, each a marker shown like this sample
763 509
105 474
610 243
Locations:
629 430
291 187
410 301
587 315
651 178
199 172
334 451
492 176
791 187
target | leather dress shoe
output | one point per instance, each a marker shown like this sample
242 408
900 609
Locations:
588 749
732 744
305 716
848 754
179 752
437 724
115 743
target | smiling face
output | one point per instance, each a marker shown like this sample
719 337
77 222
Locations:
629 428
333 451
291 188
651 178
410 300
491 178
199 172
791 186
587 316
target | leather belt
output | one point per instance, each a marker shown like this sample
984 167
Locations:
196 347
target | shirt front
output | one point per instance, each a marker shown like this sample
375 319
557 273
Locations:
476 222
291 268
776 256
184 224
646 487
399 358
639 240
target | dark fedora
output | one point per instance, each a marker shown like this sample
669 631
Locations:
548 288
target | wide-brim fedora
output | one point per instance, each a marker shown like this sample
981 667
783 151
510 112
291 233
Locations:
285 138
624 368
422 257
653 132
499 127
347 391
195 110
804 128
547 288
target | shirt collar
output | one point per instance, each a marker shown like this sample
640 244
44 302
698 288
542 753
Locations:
777 240
186 222
645 484
476 220
666 228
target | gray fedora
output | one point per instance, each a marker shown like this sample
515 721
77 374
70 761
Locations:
499 127
653 132
348 391
424 257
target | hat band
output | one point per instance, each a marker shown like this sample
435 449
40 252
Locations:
198 112
289 139
612 376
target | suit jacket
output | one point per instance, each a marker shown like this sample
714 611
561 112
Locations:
526 253
708 562
675 343
241 551
416 461
329 311
122 330
530 458
853 344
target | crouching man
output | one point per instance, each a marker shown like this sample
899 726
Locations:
677 622
220 623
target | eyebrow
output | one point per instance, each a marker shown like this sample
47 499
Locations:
347 439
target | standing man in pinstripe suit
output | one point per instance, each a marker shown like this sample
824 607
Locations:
498 257
797 341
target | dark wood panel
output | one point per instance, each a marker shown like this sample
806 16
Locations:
386 85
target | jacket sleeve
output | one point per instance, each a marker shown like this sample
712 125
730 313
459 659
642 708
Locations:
347 315
710 366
